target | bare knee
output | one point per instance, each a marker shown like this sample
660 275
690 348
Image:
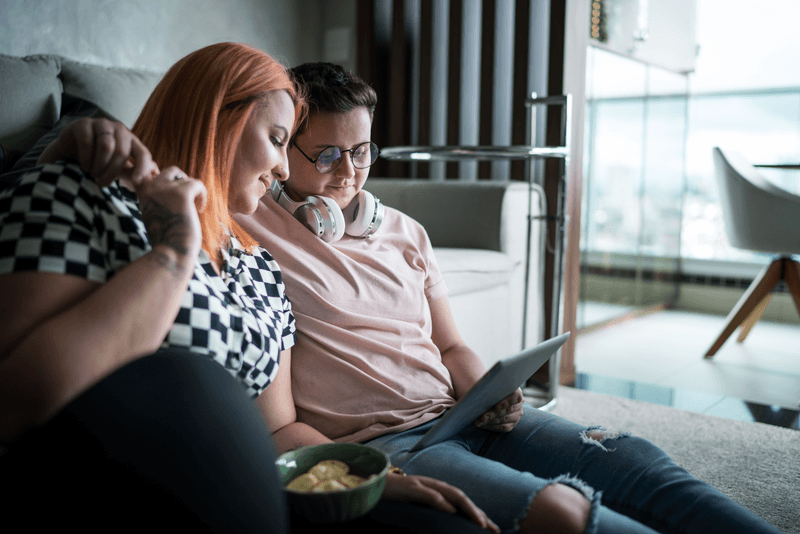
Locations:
557 509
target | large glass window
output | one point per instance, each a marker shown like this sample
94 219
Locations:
663 184
635 158
650 186
650 205
613 218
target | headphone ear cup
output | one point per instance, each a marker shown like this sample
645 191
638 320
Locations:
323 217
275 190
364 215
280 196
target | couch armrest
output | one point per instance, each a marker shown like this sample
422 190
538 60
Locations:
490 215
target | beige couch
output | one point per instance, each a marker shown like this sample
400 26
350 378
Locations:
479 229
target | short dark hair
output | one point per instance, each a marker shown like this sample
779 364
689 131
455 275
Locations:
330 88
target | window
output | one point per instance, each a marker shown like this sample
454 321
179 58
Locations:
649 187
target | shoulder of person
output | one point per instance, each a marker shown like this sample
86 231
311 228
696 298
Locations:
399 221
61 176
54 187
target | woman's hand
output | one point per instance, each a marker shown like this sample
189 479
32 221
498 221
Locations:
435 493
505 415
105 149
170 203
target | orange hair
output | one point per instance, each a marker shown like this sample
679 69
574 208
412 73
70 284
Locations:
195 117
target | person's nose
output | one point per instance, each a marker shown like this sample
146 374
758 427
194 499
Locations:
346 169
281 170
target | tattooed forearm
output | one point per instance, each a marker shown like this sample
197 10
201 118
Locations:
164 261
165 227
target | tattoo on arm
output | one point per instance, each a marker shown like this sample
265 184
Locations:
165 227
164 261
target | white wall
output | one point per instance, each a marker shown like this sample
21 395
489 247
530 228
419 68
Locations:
153 34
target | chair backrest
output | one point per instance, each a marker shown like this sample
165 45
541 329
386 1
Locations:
758 215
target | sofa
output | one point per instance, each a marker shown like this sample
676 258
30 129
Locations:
479 230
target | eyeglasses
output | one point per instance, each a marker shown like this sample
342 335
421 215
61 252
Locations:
362 156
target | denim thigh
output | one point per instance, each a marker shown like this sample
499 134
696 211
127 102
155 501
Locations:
504 493
619 473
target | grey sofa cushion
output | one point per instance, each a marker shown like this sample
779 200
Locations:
119 92
72 109
30 98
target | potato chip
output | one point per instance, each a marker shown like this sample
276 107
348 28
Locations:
329 485
328 469
327 475
304 482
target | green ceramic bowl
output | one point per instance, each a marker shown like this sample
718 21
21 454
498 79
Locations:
335 506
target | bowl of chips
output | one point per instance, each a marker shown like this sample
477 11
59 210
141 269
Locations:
333 482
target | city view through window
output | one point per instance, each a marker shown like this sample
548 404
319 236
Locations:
649 186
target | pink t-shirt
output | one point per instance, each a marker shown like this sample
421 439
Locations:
364 363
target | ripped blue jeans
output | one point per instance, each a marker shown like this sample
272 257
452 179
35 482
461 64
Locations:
634 487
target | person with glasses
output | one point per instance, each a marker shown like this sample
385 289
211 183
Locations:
378 359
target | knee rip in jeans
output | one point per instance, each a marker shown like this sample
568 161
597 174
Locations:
597 435
577 484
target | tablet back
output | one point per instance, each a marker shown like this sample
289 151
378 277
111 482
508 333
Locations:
498 383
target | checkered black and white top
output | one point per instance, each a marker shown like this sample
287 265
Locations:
56 219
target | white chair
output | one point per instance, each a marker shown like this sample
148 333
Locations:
759 216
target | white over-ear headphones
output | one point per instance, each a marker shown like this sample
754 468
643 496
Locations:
324 218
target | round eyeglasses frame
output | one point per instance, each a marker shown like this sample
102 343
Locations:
338 159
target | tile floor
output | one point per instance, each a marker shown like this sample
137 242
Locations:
659 358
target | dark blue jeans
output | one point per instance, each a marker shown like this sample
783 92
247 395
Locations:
633 485
167 441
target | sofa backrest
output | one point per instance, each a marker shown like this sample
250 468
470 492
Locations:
30 98
31 93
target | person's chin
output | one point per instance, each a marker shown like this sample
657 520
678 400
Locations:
244 207
342 195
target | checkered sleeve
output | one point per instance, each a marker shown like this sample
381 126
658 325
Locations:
48 223
289 328
276 297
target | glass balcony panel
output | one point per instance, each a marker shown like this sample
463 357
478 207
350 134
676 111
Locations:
665 134
615 177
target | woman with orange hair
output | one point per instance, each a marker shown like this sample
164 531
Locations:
139 320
